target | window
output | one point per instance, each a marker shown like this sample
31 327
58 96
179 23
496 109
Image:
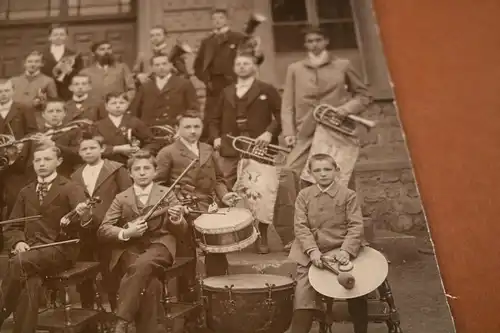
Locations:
63 10
290 17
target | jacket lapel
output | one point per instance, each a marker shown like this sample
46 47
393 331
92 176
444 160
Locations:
253 92
107 171
156 193
205 153
129 195
230 93
14 109
32 196
185 151
54 191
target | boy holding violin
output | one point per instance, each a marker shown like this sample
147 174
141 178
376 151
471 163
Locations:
48 200
327 217
142 249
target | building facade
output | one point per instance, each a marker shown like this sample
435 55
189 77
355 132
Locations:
383 171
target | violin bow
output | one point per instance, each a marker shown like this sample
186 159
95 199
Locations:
150 213
21 219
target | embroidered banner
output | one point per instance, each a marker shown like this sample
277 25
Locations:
343 149
257 184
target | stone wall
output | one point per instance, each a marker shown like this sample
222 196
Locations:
384 177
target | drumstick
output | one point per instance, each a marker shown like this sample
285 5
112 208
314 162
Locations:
345 279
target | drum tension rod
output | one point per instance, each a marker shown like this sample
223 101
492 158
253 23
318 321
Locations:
230 303
269 301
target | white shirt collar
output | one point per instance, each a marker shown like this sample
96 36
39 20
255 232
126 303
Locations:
80 99
32 75
116 120
326 189
143 191
57 48
317 60
48 179
165 78
245 82
222 30
97 166
160 47
105 67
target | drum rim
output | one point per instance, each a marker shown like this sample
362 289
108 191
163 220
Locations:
246 290
214 231
239 246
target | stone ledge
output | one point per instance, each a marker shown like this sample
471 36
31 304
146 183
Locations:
382 165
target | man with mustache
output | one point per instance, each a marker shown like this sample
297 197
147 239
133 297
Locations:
107 76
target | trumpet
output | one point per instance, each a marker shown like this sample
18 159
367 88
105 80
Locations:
163 132
64 67
328 116
273 154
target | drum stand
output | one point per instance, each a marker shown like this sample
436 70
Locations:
381 309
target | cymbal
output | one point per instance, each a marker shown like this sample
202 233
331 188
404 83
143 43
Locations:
370 269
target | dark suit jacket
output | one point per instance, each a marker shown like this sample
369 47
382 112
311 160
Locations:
69 144
63 196
155 107
142 63
88 110
124 209
262 113
20 122
227 50
205 177
115 136
49 62
113 179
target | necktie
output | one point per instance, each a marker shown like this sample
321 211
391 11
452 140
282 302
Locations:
41 190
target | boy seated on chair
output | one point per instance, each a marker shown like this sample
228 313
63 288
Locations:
144 249
49 198
327 217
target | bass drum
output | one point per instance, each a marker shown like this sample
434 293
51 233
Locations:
248 303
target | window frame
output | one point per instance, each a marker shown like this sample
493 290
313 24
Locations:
65 18
314 19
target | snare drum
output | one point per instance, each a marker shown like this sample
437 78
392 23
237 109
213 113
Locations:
228 232
248 303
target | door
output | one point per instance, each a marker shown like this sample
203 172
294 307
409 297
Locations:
24 27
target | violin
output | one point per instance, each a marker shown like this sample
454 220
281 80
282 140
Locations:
73 215
150 213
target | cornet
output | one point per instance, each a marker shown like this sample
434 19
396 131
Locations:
328 116
273 154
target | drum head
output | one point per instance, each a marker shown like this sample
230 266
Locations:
232 220
247 282
370 270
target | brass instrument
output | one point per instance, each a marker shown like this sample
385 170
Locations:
64 67
250 42
273 154
9 146
40 98
328 116
180 49
163 132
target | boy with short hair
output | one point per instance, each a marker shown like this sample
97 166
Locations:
80 106
123 134
51 196
104 179
28 85
144 249
53 118
327 217
204 181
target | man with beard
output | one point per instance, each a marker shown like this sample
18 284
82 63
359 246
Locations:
107 76
62 56
158 37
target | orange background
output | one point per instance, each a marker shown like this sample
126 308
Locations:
444 60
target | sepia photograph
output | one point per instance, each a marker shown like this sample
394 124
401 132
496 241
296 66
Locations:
207 166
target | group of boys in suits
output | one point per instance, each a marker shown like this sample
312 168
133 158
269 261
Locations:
118 159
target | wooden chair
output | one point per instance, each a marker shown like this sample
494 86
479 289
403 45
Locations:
65 317
381 309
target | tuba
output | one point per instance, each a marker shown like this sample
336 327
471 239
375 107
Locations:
64 67
328 116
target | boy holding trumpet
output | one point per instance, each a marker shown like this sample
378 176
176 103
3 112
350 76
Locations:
143 249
